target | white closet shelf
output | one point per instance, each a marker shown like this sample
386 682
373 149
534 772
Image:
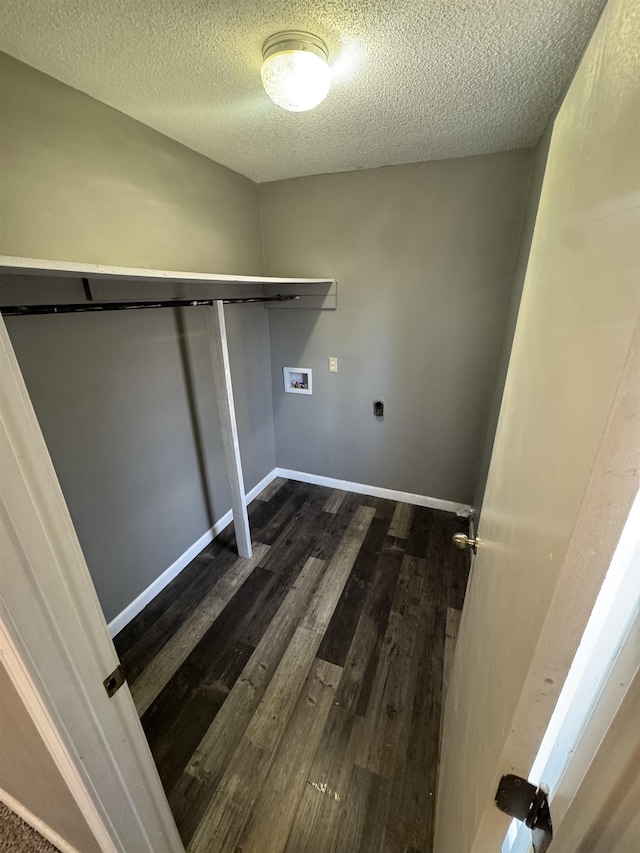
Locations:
318 293
39 266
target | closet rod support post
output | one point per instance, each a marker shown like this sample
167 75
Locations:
217 335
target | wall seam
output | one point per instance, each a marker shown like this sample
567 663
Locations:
264 272
261 219
516 257
503 336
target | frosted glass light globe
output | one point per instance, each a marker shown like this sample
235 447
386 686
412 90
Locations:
295 73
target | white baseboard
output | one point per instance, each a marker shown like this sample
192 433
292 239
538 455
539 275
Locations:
131 610
39 825
147 595
264 482
375 491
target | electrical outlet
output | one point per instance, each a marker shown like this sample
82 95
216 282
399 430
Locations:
333 364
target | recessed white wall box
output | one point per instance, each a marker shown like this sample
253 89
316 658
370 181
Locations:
297 380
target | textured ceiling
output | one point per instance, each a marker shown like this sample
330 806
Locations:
416 80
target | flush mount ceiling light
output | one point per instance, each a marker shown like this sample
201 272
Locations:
294 72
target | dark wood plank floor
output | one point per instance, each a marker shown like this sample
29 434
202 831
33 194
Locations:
292 701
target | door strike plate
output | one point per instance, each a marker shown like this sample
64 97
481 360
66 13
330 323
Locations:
525 802
114 681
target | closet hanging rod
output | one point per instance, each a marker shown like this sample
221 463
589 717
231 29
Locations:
84 307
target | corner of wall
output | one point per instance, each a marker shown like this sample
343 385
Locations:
261 220
521 260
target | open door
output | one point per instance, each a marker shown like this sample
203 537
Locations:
566 460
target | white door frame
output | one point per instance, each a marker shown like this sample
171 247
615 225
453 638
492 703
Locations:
56 647
583 806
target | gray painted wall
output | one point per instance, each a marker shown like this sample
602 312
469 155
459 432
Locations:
29 774
126 400
424 255
533 197
84 182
